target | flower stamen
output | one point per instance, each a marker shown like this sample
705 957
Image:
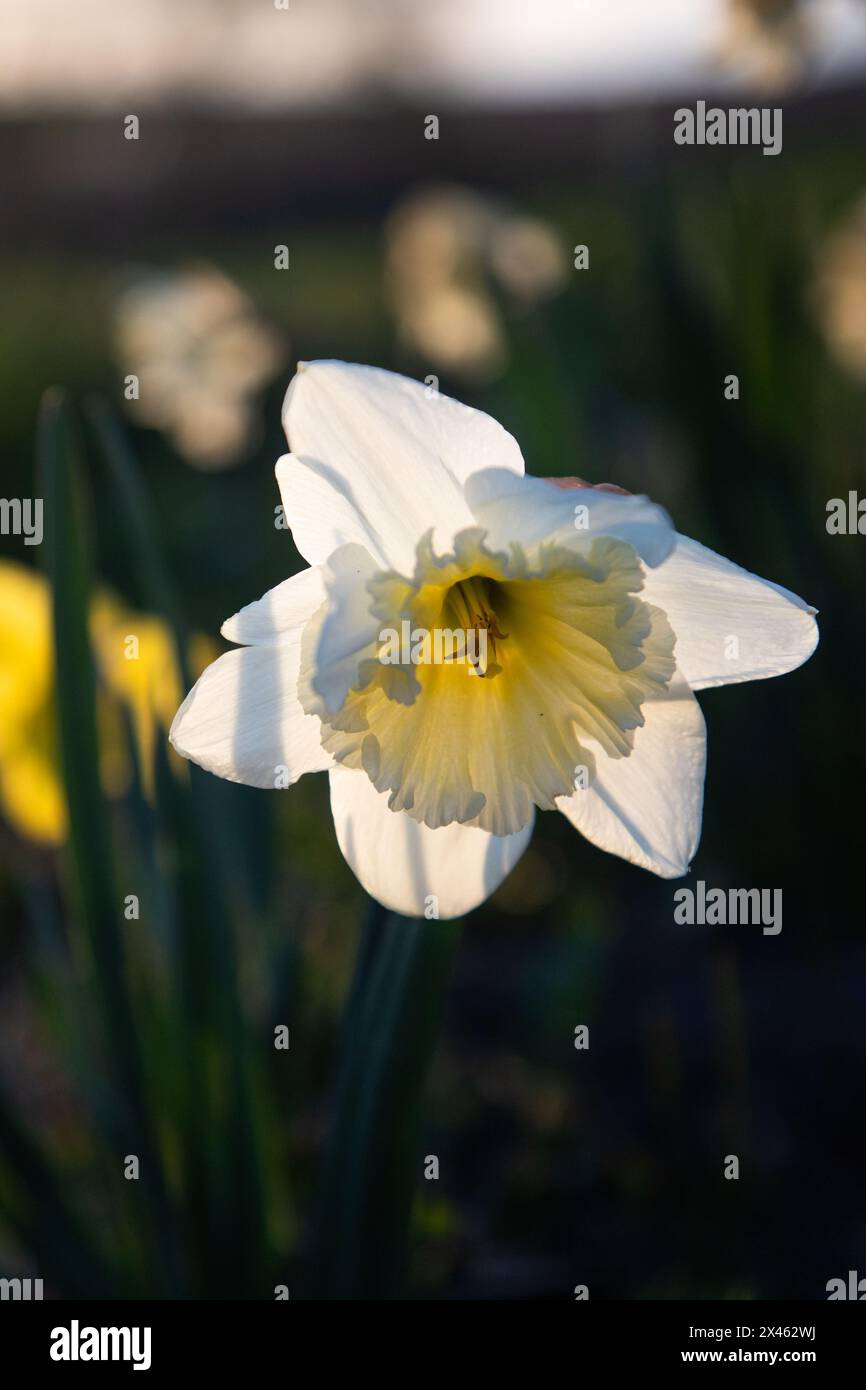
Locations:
470 601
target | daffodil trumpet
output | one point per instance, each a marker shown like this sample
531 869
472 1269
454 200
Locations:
420 646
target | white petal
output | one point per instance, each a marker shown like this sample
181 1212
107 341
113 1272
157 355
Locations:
729 624
324 514
403 864
533 510
647 807
342 633
283 609
242 719
379 459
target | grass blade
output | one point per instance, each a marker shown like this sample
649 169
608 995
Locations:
207 968
96 897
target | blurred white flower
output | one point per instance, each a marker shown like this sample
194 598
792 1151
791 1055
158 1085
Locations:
767 41
200 353
447 248
528 258
839 291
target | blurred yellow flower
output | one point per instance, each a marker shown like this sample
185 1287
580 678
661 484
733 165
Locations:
136 662
30 788
136 668
200 352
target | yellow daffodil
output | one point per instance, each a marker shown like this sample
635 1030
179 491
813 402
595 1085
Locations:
599 622
31 791
136 660
136 667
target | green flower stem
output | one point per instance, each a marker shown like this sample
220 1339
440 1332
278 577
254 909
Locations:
374 1164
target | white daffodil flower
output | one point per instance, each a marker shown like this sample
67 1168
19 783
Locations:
598 621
